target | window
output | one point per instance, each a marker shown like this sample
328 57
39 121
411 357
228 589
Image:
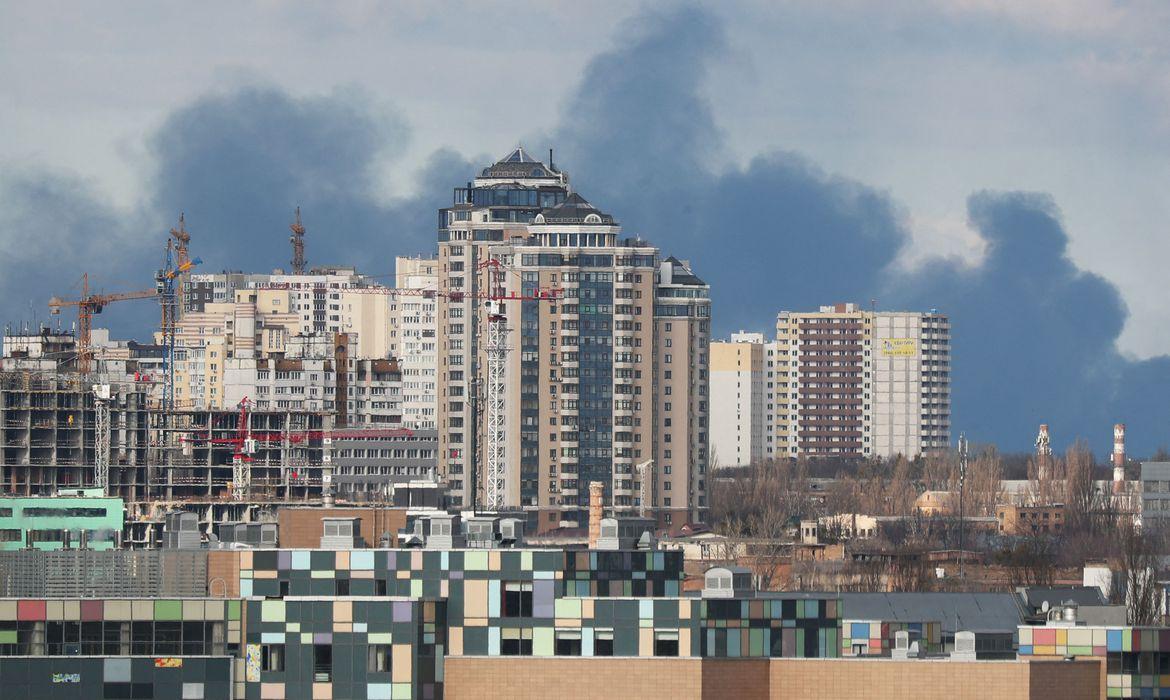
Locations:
516 642
568 643
517 600
665 643
272 657
378 658
603 642
341 587
339 528
322 663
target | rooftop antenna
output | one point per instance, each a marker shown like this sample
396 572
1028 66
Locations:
550 160
298 243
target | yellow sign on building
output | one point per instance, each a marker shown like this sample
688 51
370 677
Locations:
899 347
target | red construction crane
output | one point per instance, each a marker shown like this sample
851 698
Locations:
242 456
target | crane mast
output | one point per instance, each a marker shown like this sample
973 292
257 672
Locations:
298 245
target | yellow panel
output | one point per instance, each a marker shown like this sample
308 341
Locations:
343 627
400 661
684 642
7 609
475 603
455 641
213 609
245 560
142 609
343 611
646 641
192 609
72 610
587 608
117 610
494 560
1061 637
342 560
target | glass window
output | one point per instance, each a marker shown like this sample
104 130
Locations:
272 657
378 658
517 600
666 643
568 643
322 663
603 643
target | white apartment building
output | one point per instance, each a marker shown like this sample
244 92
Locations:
840 381
738 420
414 331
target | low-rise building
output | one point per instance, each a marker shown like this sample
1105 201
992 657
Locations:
1020 520
83 519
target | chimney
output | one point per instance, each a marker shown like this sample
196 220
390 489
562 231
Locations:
1043 452
596 501
1118 457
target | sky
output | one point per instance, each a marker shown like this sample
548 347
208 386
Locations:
1004 162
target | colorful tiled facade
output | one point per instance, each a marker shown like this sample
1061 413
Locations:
1137 659
876 637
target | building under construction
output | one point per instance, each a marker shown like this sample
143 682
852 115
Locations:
56 429
50 433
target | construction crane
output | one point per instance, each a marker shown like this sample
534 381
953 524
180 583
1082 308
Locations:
242 456
167 287
101 429
298 245
87 306
496 300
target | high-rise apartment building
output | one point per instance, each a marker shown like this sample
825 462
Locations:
738 421
413 334
840 381
861 383
607 374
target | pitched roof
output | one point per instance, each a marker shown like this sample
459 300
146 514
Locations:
975 612
574 210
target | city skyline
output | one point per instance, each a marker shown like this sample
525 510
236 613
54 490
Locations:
239 154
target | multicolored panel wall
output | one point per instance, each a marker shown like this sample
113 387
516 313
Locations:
119 627
877 637
381 649
1137 660
442 574
777 627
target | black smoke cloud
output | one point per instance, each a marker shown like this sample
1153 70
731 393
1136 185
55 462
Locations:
1033 336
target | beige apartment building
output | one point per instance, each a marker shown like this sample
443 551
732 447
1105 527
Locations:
414 332
603 376
841 381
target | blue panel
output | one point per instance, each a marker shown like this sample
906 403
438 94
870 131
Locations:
1113 640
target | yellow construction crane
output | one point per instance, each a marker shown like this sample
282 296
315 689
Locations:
87 306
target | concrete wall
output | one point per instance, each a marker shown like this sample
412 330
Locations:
529 677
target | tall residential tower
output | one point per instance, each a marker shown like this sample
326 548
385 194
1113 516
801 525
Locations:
608 374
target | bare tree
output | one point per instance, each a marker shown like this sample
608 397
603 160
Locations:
984 483
1138 563
1030 562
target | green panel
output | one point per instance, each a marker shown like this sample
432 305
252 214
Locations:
233 609
7 636
542 641
168 610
